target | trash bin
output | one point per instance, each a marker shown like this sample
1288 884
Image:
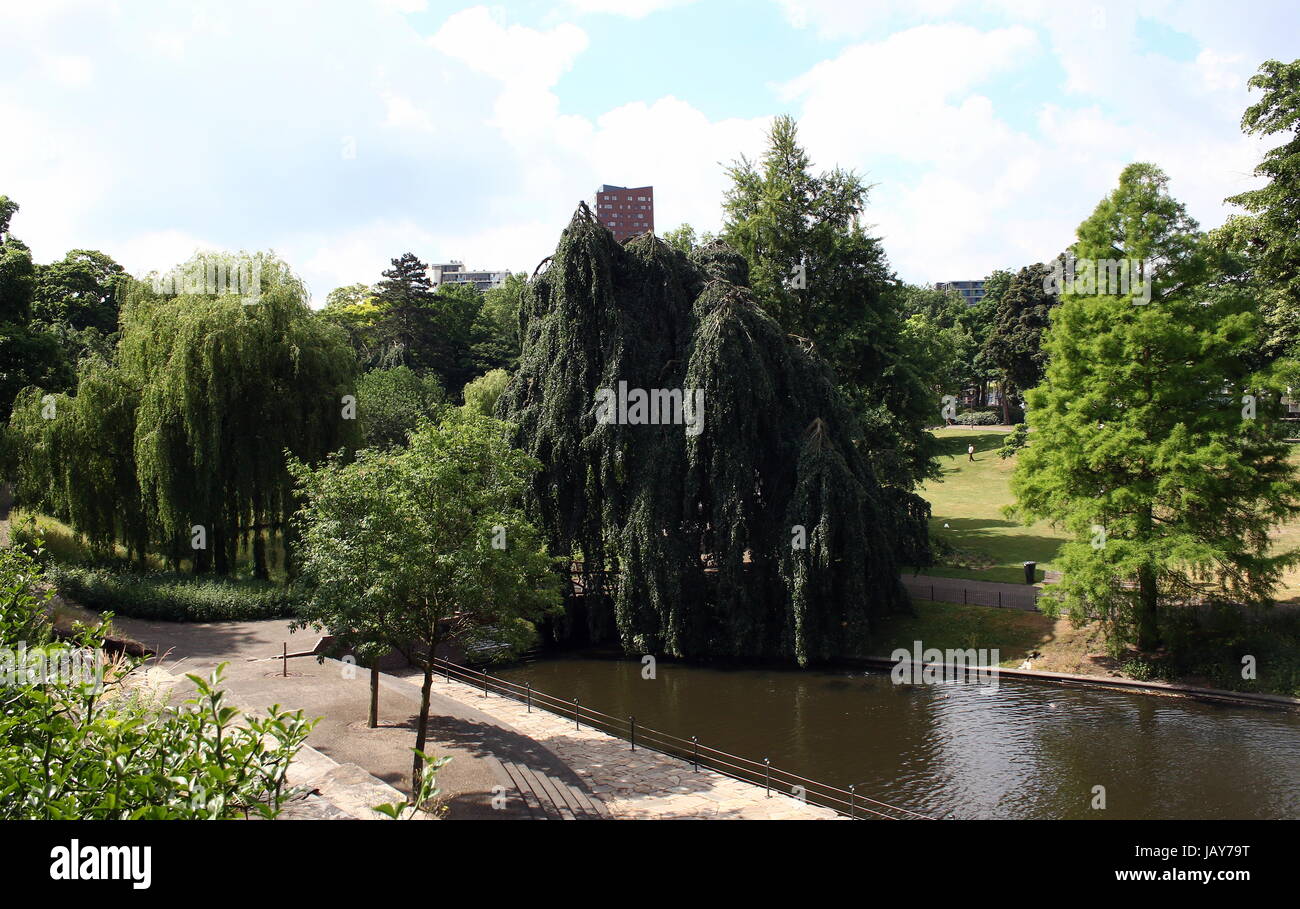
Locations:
1030 568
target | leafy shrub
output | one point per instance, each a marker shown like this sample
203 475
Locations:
978 418
173 598
1017 439
81 745
392 402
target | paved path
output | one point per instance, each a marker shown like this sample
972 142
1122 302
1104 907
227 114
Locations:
495 773
637 784
971 592
543 767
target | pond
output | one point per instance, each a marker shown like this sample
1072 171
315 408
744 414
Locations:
1015 750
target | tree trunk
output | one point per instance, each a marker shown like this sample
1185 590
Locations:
374 694
260 568
1148 628
1006 405
422 730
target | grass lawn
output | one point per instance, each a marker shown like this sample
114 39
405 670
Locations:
1013 633
969 500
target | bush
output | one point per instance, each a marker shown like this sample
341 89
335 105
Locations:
978 418
77 743
1017 439
173 598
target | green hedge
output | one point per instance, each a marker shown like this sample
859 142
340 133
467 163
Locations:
172 598
978 418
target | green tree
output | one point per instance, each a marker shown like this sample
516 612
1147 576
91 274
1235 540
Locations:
391 403
457 335
353 308
500 329
814 268
1268 241
404 295
413 547
482 394
29 353
754 528
1142 447
1014 346
80 290
943 348
207 394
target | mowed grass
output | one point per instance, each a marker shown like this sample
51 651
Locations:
969 499
1014 634
991 547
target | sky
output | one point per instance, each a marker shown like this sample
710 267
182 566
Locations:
343 134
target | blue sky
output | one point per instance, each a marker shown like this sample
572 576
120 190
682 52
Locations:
344 134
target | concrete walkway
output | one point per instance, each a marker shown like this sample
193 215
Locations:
507 762
495 773
637 784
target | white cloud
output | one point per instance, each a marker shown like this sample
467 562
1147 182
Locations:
157 250
69 70
513 54
402 113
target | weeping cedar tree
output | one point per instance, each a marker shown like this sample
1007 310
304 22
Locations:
406 548
1145 445
701 531
189 426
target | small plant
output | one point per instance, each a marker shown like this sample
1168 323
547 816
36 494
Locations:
1017 439
428 791
78 742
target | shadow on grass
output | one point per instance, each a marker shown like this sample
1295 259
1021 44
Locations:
993 536
986 443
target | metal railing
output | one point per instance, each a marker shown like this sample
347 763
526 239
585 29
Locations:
956 592
847 802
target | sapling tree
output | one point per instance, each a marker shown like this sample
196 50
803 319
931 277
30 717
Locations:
413 548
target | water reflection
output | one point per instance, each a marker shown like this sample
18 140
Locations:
1022 750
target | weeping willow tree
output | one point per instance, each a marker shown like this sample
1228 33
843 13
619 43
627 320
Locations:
74 458
228 386
181 444
761 531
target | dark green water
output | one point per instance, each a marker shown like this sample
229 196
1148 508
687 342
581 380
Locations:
1022 750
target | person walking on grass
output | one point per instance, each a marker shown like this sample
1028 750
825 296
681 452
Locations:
970 451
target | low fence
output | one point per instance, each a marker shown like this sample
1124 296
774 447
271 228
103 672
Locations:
847 802
954 591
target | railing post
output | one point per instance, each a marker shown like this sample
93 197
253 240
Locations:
631 722
931 591
528 693
484 673
284 660
853 803
767 778
577 721
695 755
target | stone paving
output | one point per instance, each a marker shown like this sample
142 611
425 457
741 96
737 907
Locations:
641 784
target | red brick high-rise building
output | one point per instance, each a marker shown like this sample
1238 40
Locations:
626 211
